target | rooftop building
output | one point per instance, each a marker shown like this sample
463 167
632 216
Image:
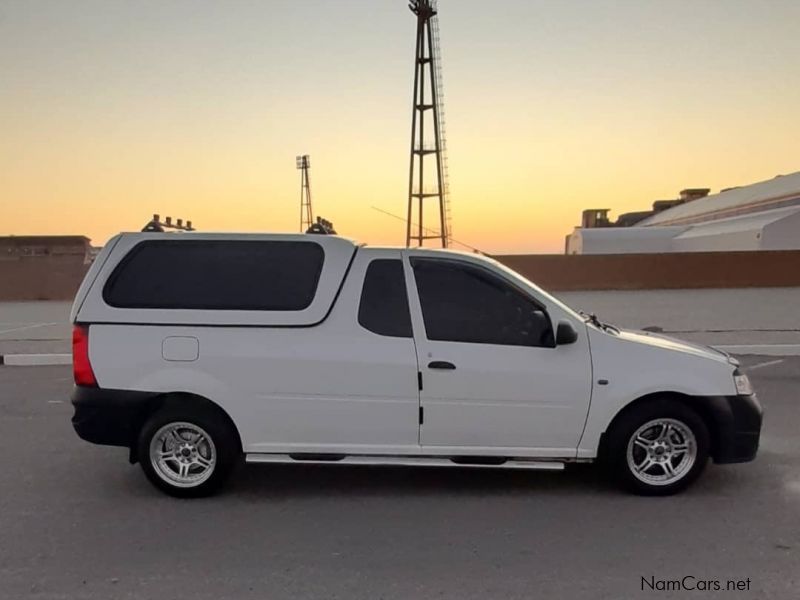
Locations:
760 216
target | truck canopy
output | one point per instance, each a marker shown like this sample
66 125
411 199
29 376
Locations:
214 279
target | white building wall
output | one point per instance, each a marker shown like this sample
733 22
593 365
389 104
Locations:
719 242
575 242
777 229
622 240
783 234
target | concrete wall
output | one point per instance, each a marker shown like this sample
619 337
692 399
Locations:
57 277
659 271
42 267
54 277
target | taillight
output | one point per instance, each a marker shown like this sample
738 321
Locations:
81 367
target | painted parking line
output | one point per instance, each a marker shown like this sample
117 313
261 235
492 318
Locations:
24 327
762 349
35 360
769 363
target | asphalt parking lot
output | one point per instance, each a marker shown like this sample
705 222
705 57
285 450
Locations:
77 521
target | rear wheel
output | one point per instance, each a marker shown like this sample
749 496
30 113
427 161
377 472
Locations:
188 451
658 448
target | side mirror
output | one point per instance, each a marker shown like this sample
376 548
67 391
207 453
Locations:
565 333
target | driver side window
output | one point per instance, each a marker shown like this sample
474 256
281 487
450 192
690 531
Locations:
466 303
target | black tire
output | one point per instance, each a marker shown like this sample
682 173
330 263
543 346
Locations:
214 423
665 411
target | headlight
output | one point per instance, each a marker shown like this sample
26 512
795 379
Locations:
743 387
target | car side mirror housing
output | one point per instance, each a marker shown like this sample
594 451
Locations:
565 333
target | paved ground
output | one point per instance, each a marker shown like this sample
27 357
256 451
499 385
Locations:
735 316
78 522
35 327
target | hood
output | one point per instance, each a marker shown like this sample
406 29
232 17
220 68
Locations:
668 343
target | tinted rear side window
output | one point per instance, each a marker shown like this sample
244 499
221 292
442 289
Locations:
384 301
217 275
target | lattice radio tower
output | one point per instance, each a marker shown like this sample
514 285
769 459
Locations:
306 214
427 132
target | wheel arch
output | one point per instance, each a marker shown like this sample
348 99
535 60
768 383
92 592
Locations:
178 399
698 404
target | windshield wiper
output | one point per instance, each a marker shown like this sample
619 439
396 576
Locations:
592 318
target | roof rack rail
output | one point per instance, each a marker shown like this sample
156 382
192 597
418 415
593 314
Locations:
156 225
322 227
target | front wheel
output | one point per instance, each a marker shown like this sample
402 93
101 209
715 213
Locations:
658 448
187 451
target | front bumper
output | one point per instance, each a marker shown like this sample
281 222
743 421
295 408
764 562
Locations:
109 417
738 427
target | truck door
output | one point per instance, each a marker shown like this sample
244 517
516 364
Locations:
492 378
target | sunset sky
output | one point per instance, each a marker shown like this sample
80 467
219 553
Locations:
113 110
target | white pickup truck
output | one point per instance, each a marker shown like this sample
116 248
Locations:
194 350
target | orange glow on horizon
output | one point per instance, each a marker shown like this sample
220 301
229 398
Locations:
106 122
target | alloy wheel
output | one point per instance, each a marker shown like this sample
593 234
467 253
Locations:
662 451
183 454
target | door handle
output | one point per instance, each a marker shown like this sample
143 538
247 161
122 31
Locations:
441 364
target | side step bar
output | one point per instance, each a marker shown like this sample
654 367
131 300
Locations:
482 462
